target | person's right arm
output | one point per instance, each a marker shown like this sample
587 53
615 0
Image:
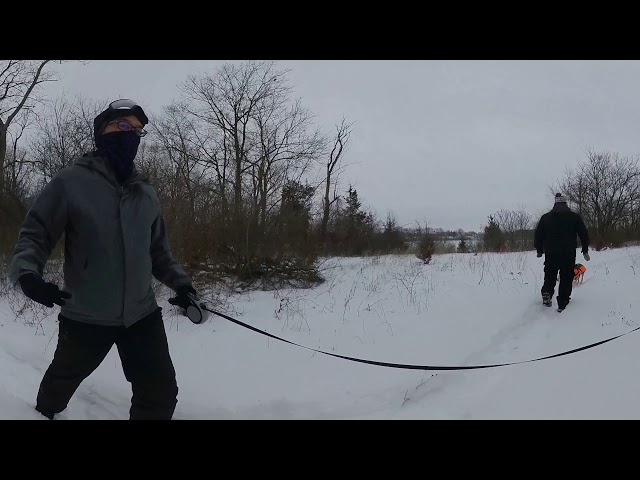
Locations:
584 237
583 234
42 228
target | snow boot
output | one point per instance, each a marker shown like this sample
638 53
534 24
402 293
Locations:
47 414
562 305
546 300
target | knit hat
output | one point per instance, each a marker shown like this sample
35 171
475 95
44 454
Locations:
116 109
560 198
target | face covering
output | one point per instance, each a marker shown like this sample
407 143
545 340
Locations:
120 149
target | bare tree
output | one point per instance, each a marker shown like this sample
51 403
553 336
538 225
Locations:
18 81
209 147
506 220
523 223
176 136
255 140
515 225
64 133
18 184
153 163
605 189
227 101
333 168
286 147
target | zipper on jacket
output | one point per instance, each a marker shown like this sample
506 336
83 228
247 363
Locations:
124 251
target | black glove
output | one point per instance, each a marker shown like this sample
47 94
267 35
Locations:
42 292
182 299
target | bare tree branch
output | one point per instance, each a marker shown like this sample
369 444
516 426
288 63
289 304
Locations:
341 139
606 191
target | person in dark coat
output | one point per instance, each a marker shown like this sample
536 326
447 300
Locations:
556 237
115 243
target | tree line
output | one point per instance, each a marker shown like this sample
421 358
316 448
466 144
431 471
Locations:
250 185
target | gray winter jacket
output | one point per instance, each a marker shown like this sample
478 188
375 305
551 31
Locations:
115 241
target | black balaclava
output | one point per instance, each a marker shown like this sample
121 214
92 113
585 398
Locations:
120 148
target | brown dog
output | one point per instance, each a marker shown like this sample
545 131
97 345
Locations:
578 273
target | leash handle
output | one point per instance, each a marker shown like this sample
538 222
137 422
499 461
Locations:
196 311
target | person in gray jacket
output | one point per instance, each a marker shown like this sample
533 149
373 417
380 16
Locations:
115 242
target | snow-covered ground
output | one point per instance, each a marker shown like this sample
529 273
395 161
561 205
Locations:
460 310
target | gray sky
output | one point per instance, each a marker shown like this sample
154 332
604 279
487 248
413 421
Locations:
445 141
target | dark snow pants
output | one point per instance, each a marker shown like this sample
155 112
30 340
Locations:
146 362
562 262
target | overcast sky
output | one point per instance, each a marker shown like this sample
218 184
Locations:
444 141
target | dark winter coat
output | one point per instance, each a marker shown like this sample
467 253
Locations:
115 242
558 229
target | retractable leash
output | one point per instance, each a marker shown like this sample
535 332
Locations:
197 314
196 311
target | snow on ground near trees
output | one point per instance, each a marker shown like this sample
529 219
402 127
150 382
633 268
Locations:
462 309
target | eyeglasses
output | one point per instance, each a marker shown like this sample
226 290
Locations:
127 127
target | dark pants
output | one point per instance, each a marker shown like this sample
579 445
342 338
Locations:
563 263
144 353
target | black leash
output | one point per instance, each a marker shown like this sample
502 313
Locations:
419 367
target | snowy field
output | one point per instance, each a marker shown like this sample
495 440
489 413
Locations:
460 310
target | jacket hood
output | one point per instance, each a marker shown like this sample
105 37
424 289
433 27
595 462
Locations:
561 207
99 164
